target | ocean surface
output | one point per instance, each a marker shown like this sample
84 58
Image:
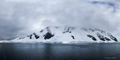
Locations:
38 51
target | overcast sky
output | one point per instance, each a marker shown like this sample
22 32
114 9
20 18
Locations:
21 17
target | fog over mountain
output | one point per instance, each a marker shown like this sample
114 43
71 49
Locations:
22 17
67 35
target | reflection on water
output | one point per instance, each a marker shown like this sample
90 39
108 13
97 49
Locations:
14 51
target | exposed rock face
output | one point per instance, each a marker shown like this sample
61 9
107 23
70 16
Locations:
73 37
68 29
30 36
112 37
107 39
48 35
101 37
36 36
93 38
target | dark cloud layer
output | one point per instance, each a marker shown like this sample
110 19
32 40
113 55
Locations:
21 17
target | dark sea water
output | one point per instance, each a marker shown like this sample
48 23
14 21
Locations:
38 51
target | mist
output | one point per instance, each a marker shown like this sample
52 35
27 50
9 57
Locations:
22 17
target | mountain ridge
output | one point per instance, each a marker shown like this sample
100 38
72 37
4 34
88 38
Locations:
69 34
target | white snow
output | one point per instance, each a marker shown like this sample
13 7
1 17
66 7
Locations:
60 36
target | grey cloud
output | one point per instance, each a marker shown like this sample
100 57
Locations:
21 17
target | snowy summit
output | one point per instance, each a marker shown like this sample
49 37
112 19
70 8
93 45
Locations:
68 34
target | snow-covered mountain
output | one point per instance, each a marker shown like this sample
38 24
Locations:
68 34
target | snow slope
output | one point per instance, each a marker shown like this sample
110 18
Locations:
68 34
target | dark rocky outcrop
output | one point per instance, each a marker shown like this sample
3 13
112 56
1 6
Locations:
93 38
36 36
101 37
30 36
68 29
48 35
112 37
41 31
107 39
73 37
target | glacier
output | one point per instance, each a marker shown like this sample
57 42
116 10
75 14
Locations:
67 35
